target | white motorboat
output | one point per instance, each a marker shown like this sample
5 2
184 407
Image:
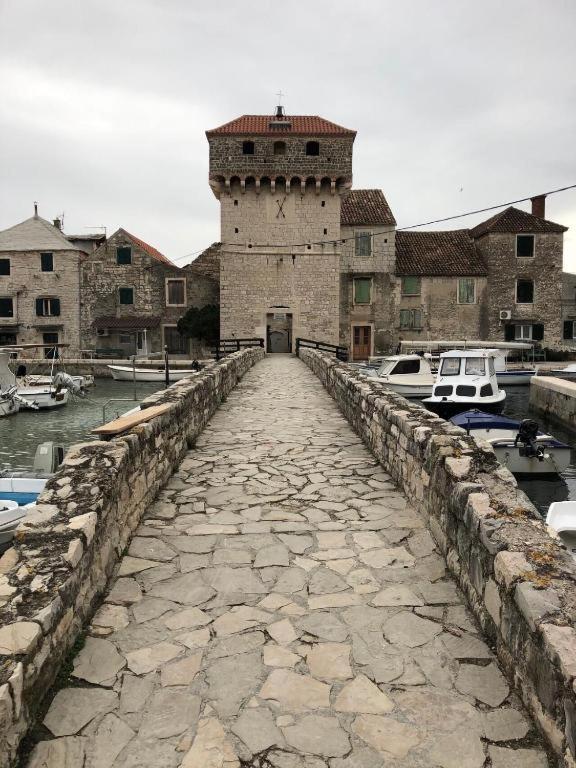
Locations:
561 518
44 397
466 379
81 383
127 373
568 372
10 517
10 399
409 375
519 445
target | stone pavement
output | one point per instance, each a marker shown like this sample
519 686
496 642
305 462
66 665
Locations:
281 606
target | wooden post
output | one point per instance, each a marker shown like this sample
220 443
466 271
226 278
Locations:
166 367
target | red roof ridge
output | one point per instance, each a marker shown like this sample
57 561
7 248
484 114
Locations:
150 250
299 124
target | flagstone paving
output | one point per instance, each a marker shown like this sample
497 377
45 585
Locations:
283 606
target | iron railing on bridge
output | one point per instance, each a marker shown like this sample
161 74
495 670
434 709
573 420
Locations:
340 352
227 346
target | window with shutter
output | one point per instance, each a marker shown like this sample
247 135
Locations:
537 332
126 295
509 332
175 292
47 262
411 286
363 244
568 329
362 290
123 254
6 306
4 266
466 290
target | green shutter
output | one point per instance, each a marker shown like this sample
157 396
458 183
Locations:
363 244
411 286
362 290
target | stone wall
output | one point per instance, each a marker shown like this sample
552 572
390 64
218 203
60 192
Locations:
518 580
65 552
554 398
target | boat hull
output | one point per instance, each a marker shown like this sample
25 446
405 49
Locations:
44 397
8 407
556 460
124 373
514 378
449 408
408 390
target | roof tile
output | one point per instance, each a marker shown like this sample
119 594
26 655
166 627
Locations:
129 323
514 220
149 249
438 253
306 125
366 206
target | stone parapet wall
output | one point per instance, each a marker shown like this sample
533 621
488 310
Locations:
67 549
518 580
554 398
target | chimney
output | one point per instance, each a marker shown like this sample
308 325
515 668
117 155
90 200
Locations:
35 210
57 223
539 206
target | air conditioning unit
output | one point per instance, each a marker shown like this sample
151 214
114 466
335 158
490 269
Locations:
102 332
505 314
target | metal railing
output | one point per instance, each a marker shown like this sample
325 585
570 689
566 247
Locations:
227 346
323 346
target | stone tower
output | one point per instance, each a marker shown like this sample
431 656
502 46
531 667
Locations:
279 180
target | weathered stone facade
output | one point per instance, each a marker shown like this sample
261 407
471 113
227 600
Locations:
148 321
39 286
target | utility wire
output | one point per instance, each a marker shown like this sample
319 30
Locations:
398 229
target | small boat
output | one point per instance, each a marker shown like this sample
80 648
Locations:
519 445
24 486
561 518
81 383
409 375
43 397
11 515
466 379
10 400
126 373
568 372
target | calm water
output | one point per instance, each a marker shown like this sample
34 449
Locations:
21 434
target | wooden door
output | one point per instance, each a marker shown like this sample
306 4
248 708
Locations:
362 342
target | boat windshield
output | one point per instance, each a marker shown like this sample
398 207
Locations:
450 366
475 366
491 368
386 367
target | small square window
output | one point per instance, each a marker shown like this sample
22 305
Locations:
362 290
6 306
524 246
4 266
125 338
363 244
411 286
47 262
524 291
247 147
124 255
126 295
466 290
411 319
176 292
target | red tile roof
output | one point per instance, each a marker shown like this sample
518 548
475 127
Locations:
515 220
366 206
149 249
130 323
447 254
306 125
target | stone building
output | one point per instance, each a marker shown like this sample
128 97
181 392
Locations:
133 297
39 286
304 254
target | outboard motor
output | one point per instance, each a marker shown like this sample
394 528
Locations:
527 434
48 458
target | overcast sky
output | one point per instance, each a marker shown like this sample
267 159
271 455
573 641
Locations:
458 104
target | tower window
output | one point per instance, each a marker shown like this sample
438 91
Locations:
236 230
524 246
235 202
524 292
279 147
247 147
323 203
325 231
312 148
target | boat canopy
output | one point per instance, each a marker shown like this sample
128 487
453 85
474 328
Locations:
465 344
474 419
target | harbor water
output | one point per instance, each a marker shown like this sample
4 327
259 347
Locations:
21 434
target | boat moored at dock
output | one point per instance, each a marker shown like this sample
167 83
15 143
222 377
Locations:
409 375
127 373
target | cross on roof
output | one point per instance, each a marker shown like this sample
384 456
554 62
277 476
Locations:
280 94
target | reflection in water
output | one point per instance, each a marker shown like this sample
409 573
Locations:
21 434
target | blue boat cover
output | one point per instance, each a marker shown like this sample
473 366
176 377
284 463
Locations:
20 497
474 419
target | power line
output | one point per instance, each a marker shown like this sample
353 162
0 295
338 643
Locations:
398 229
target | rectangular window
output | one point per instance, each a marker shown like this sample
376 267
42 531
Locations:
450 366
523 332
363 244
466 290
177 344
47 262
6 306
4 266
123 254
50 352
126 295
362 290
475 366
569 328
525 291
175 292
47 307
125 338
411 286
524 246
411 319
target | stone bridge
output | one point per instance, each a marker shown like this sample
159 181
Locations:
283 604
